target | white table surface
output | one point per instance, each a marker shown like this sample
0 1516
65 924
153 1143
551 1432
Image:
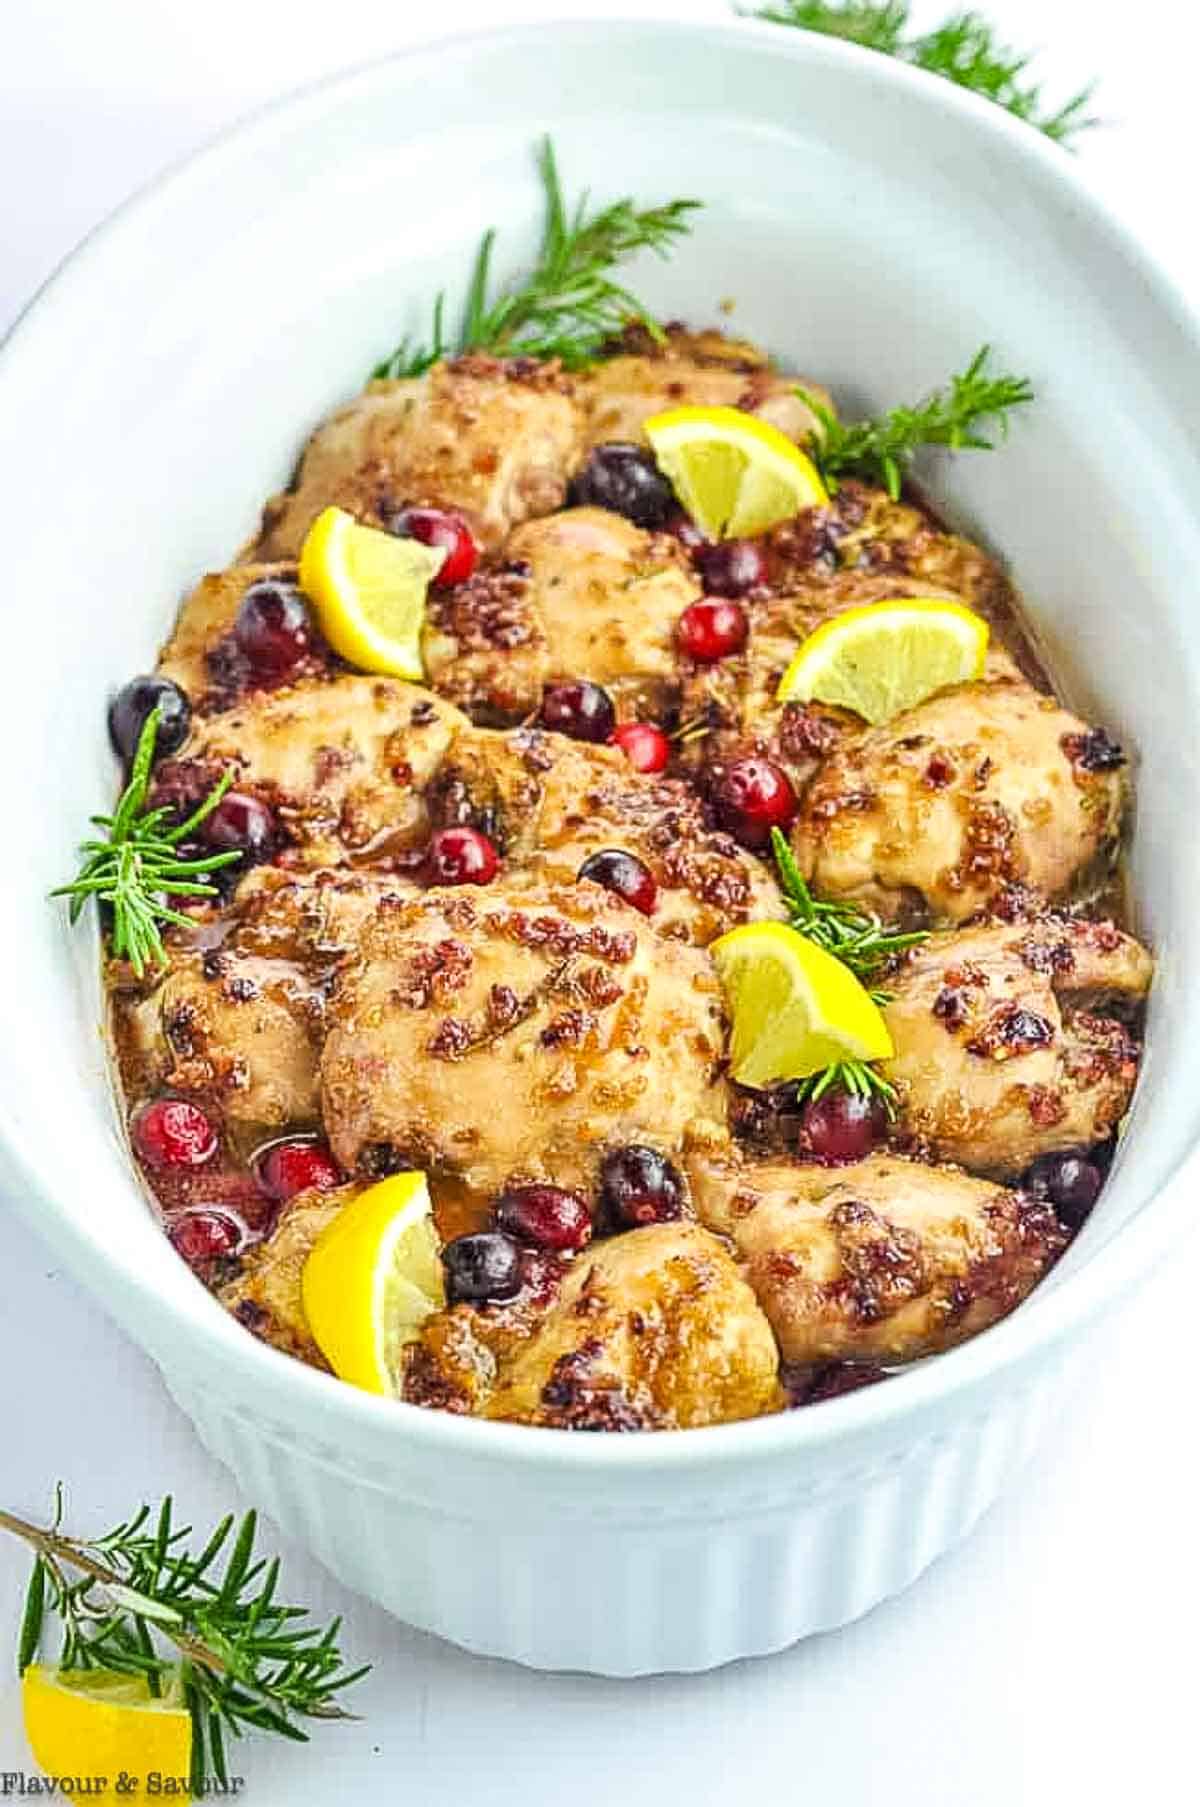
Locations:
1049 1661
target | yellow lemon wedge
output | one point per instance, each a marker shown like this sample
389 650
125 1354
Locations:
98 1722
734 473
795 1009
373 1277
887 657
368 588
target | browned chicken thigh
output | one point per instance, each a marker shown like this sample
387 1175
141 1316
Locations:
517 1034
934 814
882 1260
494 440
1003 1048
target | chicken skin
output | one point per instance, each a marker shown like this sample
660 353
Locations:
581 594
651 1330
265 1294
549 803
884 1260
932 816
343 762
1003 1049
494 440
517 1035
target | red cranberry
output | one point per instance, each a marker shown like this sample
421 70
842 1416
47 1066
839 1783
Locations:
545 1216
170 1132
445 531
273 629
639 1186
460 856
625 479
752 797
302 1166
645 747
583 710
692 538
132 704
708 631
204 1233
241 824
1071 1183
481 1268
841 1126
624 874
732 568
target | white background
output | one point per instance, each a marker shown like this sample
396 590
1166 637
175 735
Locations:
1052 1659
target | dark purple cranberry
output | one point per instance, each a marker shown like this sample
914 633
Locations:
625 479
241 824
446 532
289 1168
624 874
171 1132
692 538
639 1186
1070 1182
205 1232
459 856
732 568
752 797
841 1126
582 709
273 629
132 704
482 1268
645 746
545 1216
708 631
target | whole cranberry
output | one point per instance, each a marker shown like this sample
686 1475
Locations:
132 704
482 1268
545 1216
624 874
460 856
582 709
639 1186
171 1132
692 538
1070 1182
732 568
445 531
841 1126
708 631
625 479
241 824
752 797
645 747
288 1168
273 629
204 1232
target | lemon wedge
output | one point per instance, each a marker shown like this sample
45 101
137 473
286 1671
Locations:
796 1010
887 657
373 1277
98 1722
368 588
734 473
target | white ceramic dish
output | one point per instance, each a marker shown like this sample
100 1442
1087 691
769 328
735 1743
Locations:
875 226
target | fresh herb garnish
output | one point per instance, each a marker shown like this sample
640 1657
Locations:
881 449
245 1661
964 50
138 865
860 941
569 304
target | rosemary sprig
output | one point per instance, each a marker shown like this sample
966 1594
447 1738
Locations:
860 941
880 449
137 864
244 1661
964 50
569 304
